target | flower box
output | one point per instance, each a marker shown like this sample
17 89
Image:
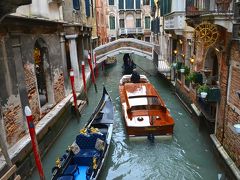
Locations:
214 94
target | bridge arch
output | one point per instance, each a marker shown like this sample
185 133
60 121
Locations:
122 46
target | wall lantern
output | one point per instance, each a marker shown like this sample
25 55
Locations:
180 41
192 60
183 56
175 51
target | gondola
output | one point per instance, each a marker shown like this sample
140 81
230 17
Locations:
128 64
84 159
144 111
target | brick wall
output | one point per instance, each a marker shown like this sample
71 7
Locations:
58 86
13 120
231 141
32 91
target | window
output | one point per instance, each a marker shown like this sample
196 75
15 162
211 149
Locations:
87 5
138 4
121 4
138 23
76 4
111 2
129 4
121 23
147 22
112 22
147 39
146 2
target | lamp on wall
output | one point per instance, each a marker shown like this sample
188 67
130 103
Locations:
191 59
180 41
175 52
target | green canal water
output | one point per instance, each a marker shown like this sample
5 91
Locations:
187 155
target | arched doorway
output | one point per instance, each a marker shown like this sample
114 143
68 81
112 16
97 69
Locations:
211 67
42 70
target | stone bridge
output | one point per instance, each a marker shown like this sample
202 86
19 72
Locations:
129 45
122 46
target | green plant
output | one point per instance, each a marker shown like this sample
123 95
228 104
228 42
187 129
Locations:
194 77
202 88
187 70
179 65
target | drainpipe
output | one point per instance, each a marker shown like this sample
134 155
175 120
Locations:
228 56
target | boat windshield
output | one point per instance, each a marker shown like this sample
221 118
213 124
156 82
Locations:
143 100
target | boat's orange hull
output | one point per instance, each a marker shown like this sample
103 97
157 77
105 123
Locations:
144 111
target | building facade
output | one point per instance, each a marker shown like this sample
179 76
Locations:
101 11
205 58
39 44
129 19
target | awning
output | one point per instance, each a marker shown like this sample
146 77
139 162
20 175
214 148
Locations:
163 67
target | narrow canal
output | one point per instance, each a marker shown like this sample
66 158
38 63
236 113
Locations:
188 155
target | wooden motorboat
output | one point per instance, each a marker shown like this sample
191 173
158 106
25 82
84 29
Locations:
85 157
144 111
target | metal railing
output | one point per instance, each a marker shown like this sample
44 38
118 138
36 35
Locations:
208 7
130 31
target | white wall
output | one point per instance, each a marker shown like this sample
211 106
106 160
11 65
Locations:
42 9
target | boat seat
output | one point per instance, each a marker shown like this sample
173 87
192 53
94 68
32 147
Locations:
71 170
85 156
88 141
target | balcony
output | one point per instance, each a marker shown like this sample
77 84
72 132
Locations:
208 104
175 21
126 31
208 7
219 11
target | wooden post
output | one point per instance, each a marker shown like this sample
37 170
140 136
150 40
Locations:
31 128
92 72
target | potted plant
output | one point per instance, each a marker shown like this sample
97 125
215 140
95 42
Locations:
203 90
194 77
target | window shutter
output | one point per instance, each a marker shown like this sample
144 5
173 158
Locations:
76 5
87 5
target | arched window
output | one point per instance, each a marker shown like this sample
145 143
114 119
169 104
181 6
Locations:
112 22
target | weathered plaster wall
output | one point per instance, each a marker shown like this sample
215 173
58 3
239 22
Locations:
17 69
12 116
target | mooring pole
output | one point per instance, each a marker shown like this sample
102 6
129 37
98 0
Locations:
73 90
84 79
92 72
96 68
31 128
